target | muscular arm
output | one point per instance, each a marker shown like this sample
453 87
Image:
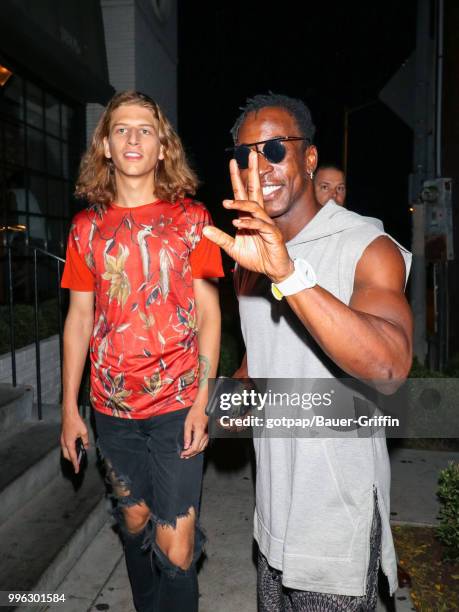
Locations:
77 332
372 337
208 324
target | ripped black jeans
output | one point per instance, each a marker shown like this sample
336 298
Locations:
142 458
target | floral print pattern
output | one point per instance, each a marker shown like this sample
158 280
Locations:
143 350
116 274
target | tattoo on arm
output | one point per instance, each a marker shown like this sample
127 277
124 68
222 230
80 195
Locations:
204 367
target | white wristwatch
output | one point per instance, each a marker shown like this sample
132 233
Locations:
303 277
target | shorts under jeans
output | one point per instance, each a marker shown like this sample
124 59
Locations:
142 458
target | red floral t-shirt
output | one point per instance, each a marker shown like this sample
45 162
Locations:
140 262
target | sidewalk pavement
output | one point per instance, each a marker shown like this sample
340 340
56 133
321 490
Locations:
228 575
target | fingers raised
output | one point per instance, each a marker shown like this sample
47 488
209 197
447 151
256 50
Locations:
258 225
248 206
236 182
254 187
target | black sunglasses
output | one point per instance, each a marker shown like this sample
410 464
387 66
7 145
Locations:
274 150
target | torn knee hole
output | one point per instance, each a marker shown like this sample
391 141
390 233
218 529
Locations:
136 528
121 485
136 518
181 558
183 561
176 541
183 566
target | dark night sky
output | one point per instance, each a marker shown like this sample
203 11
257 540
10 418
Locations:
332 55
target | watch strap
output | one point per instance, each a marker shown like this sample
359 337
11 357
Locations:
303 277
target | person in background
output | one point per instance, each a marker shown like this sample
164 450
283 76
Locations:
330 184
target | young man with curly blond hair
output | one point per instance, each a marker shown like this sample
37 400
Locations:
143 299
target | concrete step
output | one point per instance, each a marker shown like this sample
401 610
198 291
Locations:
15 405
42 541
29 460
93 576
49 412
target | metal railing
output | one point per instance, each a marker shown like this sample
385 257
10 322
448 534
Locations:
33 254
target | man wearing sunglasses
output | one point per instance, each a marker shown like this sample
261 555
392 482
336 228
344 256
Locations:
321 296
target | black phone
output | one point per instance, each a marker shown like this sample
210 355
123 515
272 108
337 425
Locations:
80 451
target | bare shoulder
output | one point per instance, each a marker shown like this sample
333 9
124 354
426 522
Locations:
381 265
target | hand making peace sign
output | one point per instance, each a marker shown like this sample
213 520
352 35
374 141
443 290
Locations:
258 244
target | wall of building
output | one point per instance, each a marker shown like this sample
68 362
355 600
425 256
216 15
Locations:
60 43
450 154
141 45
26 369
120 42
156 54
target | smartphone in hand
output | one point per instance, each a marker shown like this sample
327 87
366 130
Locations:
80 452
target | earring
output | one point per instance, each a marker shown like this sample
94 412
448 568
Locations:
311 175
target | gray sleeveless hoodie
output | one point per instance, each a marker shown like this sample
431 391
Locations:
315 496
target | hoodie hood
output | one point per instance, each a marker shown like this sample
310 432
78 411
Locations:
334 219
331 219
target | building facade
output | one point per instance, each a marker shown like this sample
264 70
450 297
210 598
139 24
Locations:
61 62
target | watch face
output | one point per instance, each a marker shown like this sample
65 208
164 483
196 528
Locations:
305 271
303 277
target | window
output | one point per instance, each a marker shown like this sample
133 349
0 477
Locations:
41 140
